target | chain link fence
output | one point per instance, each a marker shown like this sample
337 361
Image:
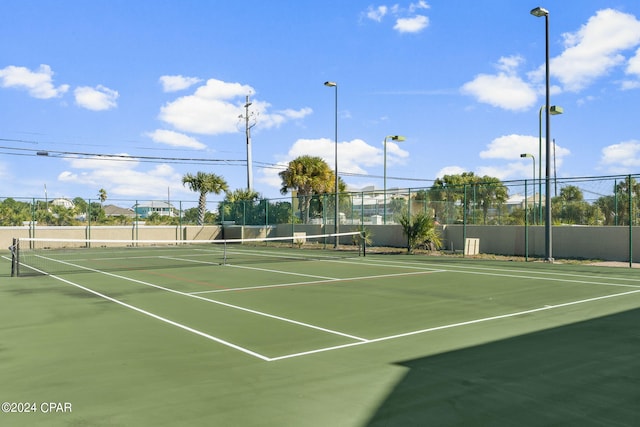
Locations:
603 201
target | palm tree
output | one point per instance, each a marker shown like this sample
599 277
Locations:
492 193
419 229
241 206
102 195
308 175
204 183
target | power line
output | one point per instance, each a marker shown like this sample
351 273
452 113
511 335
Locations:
164 159
116 157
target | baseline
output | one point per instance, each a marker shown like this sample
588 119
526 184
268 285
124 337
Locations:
236 307
453 325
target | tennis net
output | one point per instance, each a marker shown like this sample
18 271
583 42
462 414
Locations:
42 256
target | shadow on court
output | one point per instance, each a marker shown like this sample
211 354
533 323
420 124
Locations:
586 373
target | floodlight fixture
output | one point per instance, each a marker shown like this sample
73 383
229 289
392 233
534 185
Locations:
539 12
555 110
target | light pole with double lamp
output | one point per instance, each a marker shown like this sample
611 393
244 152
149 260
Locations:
533 185
337 218
392 138
541 12
554 111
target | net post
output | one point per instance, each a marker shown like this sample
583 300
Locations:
15 260
364 244
364 248
224 256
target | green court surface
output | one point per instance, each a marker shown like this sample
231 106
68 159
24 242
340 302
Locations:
271 340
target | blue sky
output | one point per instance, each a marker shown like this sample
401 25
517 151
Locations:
160 80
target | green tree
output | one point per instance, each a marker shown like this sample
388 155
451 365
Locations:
96 212
419 201
242 206
396 205
204 183
280 213
81 206
307 175
517 216
570 207
14 213
190 216
491 193
615 209
419 229
607 206
453 196
102 195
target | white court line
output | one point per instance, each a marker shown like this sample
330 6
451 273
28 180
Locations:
236 307
359 340
282 272
452 325
250 268
316 282
455 268
157 317
492 272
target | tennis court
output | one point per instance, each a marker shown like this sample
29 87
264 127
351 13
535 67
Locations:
269 335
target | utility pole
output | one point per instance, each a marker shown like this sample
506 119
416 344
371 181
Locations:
249 122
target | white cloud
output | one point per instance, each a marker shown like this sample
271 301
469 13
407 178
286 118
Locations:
590 53
406 18
421 4
414 24
451 170
215 108
622 158
633 67
176 83
354 156
123 178
509 147
501 90
506 171
269 120
630 84
395 153
296 114
509 64
594 49
175 139
99 98
209 110
376 14
38 83
505 89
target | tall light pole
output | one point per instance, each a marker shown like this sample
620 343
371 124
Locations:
554 111
247 129
534 185
392 138
337 218
540 12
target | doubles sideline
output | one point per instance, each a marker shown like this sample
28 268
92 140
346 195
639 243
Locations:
356 339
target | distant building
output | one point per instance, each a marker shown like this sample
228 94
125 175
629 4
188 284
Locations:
113 210
66 203
143 210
